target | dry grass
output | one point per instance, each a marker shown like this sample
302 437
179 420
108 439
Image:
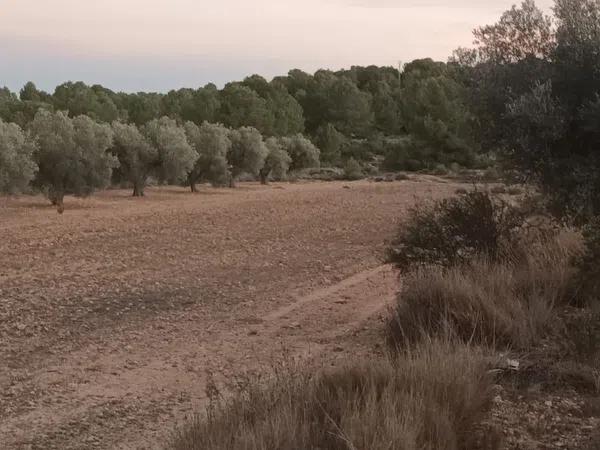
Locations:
494 303
432 397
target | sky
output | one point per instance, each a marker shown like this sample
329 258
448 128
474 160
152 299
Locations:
158 45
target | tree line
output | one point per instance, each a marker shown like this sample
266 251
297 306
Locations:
525 95
411 119
60 155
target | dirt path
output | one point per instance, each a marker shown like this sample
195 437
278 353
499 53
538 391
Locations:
113 315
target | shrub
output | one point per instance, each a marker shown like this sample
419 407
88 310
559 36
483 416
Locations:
353 170
407 154
491 174
302 151
277 162
454 168
490 302
440 169
454 230
431 398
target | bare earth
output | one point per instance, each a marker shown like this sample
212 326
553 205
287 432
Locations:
113 314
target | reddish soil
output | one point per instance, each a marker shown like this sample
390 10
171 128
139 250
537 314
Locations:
113 314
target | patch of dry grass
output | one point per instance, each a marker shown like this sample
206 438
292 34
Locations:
431 397
498 303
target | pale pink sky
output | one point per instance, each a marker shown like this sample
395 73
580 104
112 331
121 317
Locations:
159 44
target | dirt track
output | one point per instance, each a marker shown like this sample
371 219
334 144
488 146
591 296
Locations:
113 314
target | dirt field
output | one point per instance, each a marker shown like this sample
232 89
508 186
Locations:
113 315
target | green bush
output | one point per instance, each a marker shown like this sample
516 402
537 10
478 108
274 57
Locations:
455 230
491 174
440 169
353 170
406 154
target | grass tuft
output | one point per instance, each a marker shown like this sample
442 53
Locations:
432 397
498 303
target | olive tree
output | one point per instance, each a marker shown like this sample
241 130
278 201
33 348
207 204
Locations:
303 152
247 153
277 162
176 157
136 156
212 143
17 167
73 155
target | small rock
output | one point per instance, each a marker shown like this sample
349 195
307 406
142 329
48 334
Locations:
512 364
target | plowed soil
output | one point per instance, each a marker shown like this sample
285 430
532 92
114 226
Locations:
114 314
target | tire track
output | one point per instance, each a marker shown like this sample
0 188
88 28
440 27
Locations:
151 384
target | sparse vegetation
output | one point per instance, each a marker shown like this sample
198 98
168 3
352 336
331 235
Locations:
433 397
353 170
495 303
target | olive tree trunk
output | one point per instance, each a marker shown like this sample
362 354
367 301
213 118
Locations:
138 189
264 176
57 197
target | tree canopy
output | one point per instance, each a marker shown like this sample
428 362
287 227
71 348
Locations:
17 167
73 155
137 157
212 144
247 153
176 157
